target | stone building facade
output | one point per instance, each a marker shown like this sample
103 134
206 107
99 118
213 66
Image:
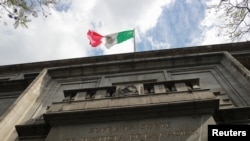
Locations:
161 95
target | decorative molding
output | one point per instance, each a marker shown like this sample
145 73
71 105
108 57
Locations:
134 73
132 89
127 90
144 106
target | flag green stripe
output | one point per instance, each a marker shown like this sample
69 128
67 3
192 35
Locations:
125 35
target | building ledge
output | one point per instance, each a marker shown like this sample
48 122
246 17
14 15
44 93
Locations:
149 106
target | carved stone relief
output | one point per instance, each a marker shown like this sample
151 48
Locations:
127 90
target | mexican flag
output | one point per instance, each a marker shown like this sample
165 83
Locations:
110 39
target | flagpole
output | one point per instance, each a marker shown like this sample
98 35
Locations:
134 40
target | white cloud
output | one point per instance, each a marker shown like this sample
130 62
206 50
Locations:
210 28
158 44
151 14
56 38
210 36
63 34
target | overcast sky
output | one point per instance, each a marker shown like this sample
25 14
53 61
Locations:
159 24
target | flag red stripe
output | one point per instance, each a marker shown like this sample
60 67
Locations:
94 38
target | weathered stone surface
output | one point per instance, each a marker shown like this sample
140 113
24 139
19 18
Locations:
21 107
128 101
181 87
59 98
159 88
81 96
188 128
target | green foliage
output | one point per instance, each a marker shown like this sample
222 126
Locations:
21 10
237 17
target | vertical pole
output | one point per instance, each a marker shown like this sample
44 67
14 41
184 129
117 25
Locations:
134 49
134 40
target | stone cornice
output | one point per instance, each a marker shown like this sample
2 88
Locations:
38 66
148 106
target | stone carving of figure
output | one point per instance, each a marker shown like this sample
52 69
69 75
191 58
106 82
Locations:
128 90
